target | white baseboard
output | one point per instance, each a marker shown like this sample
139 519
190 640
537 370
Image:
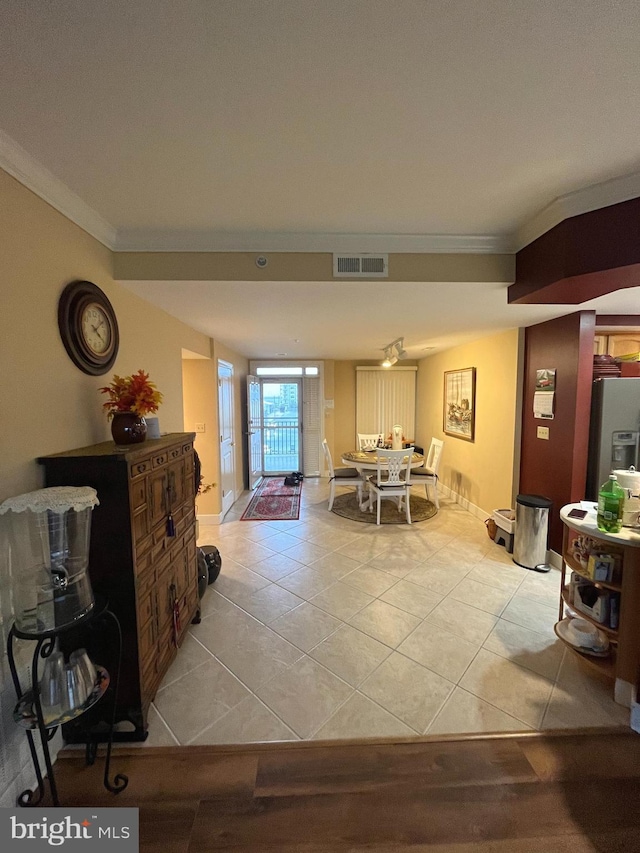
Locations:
211 519
553 559
477 511
624 693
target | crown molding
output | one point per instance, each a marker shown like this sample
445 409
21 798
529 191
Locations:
563 207
26 169
174 241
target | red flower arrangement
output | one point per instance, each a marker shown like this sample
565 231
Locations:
132 394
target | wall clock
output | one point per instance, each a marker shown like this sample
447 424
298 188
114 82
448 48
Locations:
88 327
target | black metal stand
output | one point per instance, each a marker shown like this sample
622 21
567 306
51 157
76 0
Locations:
45 645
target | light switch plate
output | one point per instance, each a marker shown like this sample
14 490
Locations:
543 432
200 427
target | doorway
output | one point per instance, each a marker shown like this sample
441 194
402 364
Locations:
227 443
284 419
281 425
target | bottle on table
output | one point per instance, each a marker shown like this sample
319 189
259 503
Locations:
610 502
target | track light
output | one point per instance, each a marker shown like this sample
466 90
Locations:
391 357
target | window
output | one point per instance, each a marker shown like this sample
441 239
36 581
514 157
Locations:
279 371
285 370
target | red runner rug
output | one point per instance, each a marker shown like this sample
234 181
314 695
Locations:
273 501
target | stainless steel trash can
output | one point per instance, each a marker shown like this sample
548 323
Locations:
532 529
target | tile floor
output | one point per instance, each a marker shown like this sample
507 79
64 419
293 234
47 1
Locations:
328 628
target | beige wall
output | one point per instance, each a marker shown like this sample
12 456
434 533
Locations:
345 404
200 386
46 403
481 471
344 433
329 391
306 266
200 398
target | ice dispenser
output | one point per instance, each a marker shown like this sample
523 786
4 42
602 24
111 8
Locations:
624 450
49 532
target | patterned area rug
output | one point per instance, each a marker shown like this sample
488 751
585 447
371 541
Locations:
273 501
347 507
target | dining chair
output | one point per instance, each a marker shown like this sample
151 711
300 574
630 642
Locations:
368 441
428 474
342 476
391 480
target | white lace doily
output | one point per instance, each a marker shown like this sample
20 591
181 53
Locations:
57 499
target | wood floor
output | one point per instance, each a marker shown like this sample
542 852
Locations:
526 793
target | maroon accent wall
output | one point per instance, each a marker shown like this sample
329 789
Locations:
557 468
582 257
629 321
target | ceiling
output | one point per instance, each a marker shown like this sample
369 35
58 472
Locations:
354 320
258 124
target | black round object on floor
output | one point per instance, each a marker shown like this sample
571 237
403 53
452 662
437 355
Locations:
213 560
203 574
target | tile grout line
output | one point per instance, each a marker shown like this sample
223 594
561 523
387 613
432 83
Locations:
166 724
344 622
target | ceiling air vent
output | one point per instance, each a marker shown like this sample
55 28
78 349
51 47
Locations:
360 266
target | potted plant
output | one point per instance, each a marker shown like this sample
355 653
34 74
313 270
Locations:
130 399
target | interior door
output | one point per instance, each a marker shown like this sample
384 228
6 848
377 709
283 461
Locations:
227 444
254 431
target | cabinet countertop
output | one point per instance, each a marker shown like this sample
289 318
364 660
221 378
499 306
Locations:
628 536
132 451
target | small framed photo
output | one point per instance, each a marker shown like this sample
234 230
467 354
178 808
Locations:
459 416
546 379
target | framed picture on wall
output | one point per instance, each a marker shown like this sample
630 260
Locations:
459 415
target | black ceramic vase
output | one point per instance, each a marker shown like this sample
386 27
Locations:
128 428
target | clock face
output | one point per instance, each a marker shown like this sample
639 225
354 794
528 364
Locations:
88 327
96 329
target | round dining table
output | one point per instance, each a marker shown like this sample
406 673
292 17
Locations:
367 460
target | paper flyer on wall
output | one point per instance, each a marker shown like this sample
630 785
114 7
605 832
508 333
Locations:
543 404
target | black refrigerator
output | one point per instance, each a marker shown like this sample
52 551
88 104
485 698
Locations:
614 429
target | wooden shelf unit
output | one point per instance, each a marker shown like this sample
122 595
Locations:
605 666
612 633
623 665
578 569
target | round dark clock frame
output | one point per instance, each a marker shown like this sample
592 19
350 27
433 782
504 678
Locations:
88 327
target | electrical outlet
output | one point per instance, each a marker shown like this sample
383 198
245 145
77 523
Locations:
543 432
200 428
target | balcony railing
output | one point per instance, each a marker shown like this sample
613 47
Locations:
281 445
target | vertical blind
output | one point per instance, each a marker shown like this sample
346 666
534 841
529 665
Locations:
312 422
385 397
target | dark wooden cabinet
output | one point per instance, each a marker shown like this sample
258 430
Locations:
148 575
